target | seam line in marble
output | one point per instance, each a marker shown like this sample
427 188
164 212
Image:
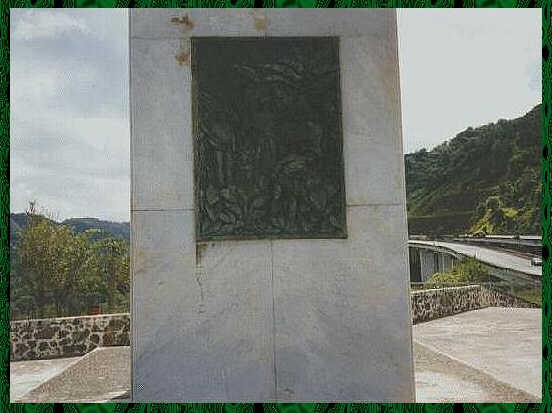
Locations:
374 204
133 339
272 33
161 38
161 209
273 322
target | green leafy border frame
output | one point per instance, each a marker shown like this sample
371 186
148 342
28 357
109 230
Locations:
6 406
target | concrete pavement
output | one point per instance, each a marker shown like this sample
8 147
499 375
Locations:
26 375
100 376
488 355
441 379
478 353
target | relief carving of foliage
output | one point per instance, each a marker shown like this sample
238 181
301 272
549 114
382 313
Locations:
269 157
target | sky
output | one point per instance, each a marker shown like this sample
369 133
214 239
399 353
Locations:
466 67
69 125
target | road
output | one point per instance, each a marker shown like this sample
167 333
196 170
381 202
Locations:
488 256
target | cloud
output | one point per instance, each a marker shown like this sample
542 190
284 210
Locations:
76 166
82 146
35 24
49 84
69 129
462 68
534 74
68 196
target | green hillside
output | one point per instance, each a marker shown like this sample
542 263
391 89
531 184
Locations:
485 179
106 228
96 228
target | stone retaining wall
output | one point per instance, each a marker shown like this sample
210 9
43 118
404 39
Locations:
67 336
491 297
431 304
76 336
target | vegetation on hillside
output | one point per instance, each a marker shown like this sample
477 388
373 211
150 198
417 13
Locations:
468 271
58 272
100 228
486 180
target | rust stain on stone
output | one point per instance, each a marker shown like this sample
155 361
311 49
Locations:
183 57
184 22
259 20
200 250
260 23
183 54
200 272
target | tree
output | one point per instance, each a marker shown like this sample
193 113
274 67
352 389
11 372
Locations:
114 266
39 260
56 272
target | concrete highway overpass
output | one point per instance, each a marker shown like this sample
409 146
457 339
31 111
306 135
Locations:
526 243
505 265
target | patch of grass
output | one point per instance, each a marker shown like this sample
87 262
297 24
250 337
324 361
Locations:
532 295
510 212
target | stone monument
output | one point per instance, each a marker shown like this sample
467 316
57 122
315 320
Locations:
269 236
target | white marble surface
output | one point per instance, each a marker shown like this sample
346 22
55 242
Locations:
377 180
341 317
299 320
161 126
370 90
201 319
163 265
179 23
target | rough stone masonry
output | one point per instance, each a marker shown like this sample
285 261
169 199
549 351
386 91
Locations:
76 336
67 336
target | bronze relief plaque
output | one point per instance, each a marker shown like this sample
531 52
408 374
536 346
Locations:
268 142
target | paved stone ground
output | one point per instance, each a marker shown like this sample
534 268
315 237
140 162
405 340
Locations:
99 376
441 379
488 355
26 375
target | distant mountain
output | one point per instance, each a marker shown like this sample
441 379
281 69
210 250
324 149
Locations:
104 229
485 179
115 229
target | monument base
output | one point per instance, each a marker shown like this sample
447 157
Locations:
268 319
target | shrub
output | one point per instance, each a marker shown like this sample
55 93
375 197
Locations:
467 271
